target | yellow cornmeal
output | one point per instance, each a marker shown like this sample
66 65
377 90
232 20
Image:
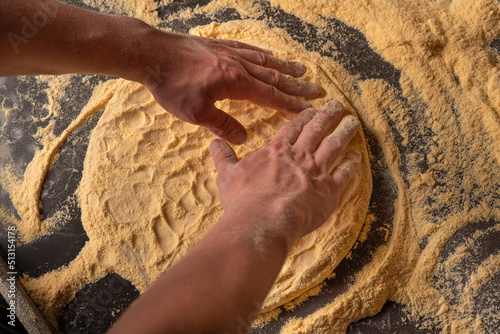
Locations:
144 10
148 192
442 50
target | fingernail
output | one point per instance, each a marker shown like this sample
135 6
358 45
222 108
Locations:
314 89
333 107
300 68
214 148
353 121
304 104
238 136
354 155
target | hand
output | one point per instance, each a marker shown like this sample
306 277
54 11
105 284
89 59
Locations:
287 183
191 73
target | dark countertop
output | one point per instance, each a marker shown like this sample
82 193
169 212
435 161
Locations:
90 310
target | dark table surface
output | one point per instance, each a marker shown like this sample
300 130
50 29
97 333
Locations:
89 310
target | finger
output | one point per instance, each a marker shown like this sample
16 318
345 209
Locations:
344 172
292 68
267 95
291 130
239 45
222 154
314 131
282 82
222 125
334 144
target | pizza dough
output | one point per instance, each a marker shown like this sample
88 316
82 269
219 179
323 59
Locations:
148 191
148 188
445 66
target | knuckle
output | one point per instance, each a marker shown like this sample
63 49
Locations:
300 155
234 57
224 127
232 43
274 78
276 146
316 126
233 73
261 59
304 179
309 164
280 149
274 94
197 115
345 173
335 143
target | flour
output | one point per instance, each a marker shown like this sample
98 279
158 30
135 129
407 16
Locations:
450 85
148 190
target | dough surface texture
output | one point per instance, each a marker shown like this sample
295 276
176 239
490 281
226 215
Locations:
149 182
148 191
424 78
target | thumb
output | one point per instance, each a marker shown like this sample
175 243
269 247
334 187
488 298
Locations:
222 154
224 126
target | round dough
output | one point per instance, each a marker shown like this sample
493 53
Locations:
148 190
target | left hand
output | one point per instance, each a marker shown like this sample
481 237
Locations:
191 73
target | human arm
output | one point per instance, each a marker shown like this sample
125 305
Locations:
271 198
186 74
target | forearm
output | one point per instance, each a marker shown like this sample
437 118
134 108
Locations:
185 74
49 37
217 288
221 284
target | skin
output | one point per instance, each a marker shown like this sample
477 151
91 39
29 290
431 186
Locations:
271 198
186 74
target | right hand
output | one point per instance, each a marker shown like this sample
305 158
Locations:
286 185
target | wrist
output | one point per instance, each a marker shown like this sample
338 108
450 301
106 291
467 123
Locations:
146 55
265 224
135 50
